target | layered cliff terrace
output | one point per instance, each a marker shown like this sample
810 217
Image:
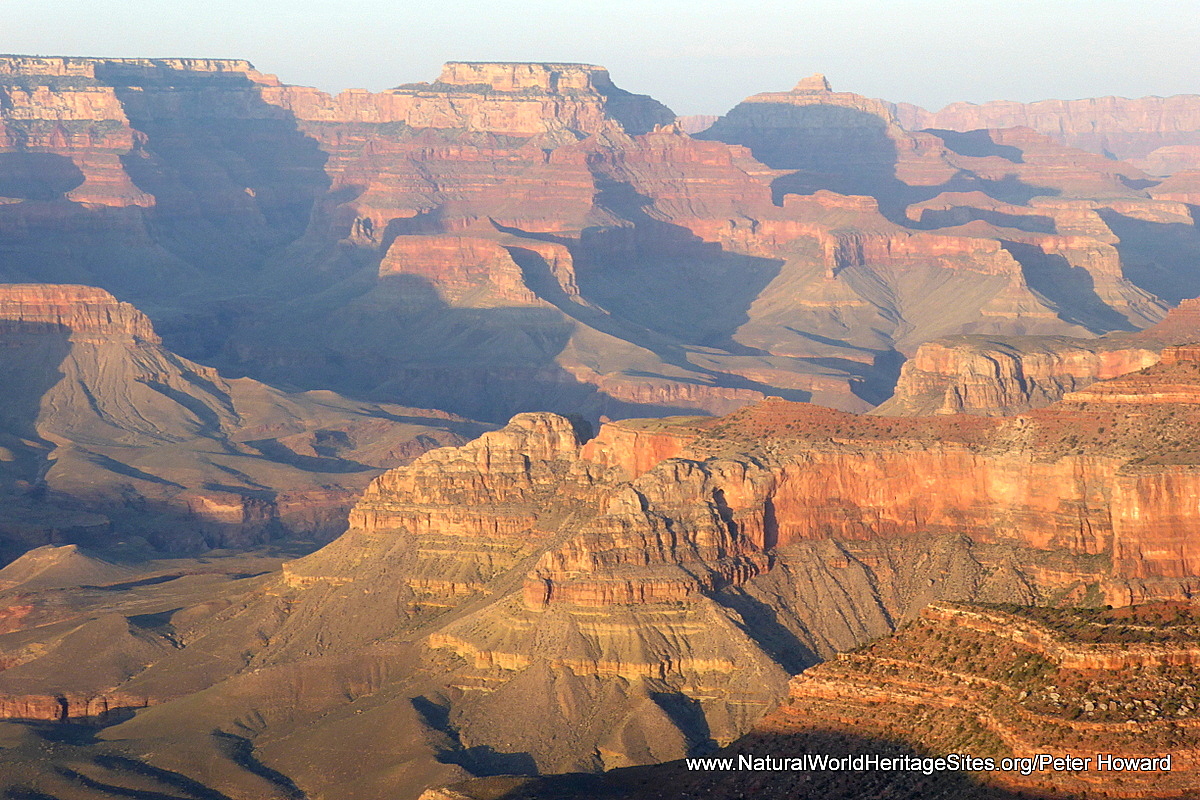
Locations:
1009 681
64 72
518 78
84 312
1095 421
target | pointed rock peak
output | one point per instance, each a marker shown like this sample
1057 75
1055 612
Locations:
813 83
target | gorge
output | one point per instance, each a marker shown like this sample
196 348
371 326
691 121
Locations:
475 437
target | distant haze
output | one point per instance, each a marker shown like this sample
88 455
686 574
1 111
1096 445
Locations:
697 57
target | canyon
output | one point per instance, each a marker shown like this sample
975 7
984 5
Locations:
476 436
470 243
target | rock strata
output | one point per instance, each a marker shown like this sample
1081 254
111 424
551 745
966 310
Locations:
795 248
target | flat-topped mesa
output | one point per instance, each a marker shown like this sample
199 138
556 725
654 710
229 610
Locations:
133 70
520 76
50 66
812 91
86 312
515 99
821 131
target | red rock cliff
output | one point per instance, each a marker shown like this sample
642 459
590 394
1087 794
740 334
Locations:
86 312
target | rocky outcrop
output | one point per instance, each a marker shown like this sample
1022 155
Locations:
1027 688
991 375
462 270
981 375
66 707
86 313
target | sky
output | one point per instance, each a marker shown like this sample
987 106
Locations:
697 56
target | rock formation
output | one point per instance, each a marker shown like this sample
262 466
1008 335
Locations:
658 583
525 236
1125 128
1028 688
1005 375
98 417
985 683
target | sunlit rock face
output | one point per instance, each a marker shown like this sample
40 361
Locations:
1006 375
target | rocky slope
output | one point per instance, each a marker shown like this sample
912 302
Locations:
985 682
97 418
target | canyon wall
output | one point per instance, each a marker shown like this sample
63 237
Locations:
1125 128
655 586
533 561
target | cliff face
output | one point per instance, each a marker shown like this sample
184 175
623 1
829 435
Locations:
654 587
85 313
511 99
980 375
655 553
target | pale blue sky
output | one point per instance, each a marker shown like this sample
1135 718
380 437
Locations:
697 56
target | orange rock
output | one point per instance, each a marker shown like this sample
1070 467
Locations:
88 313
